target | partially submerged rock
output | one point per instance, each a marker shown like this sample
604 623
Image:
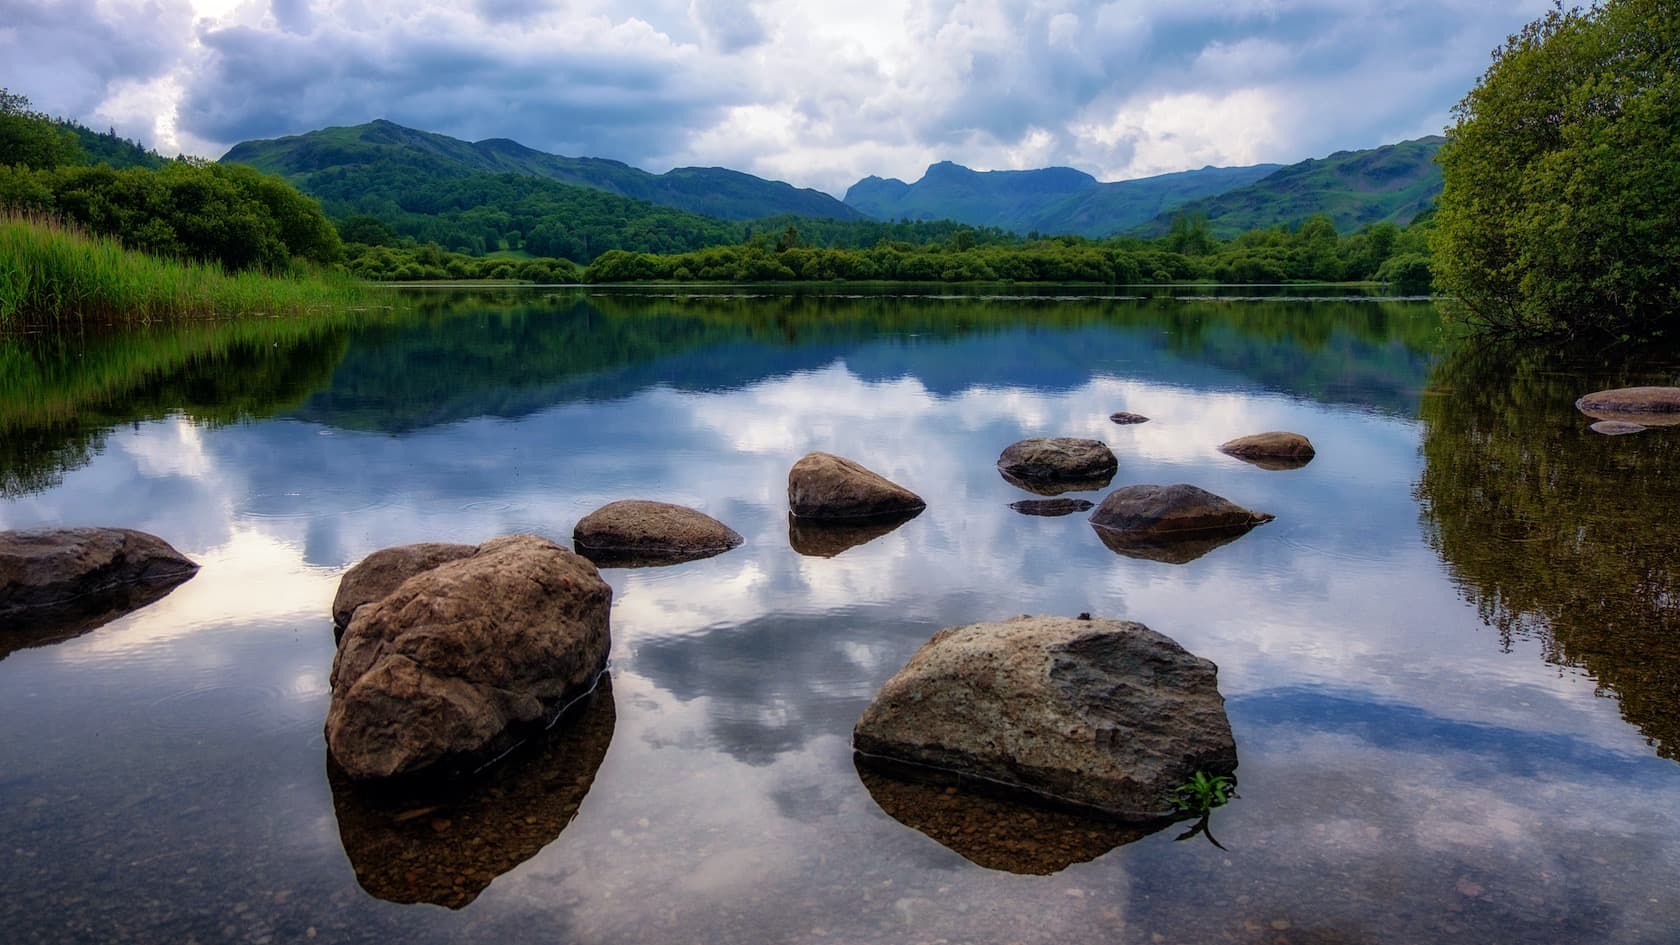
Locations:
636 532
1276 449
1051 507
384 571
57 583
1646 406
1104 715
1617 427
444 842
822 486
820 539
1057 460
1127 418
446 669
1151 513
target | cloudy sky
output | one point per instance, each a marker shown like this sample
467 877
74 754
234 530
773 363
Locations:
817 92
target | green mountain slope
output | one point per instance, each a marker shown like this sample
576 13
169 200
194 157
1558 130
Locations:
711 191
1355 189
1052 200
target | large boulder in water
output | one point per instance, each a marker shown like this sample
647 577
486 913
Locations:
1105 715
384 571
44 570
828 487
1276 449
1647 406
1156 513
634 532
447 668
1060 459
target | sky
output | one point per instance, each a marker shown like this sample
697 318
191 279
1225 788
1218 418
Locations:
819 93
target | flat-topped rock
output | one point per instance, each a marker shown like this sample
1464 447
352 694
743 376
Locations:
1124 418
1104 715
637 531
1647 406
42 568
822 486
384 571
1057 459
1276 449
1156 513
1051 507
447 669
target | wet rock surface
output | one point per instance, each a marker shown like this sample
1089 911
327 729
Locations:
1052 507
444 843
822 539
1155 514
448 668
995 832
822 486
51 567
1057 459
1103 715
637 532
1646 406
384 571
1124 418
1276 449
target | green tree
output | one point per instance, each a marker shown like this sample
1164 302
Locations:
1562 175
31 139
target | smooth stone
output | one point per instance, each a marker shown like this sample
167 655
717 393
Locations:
1057 459
384 571
1646 406
1617 427
1125 418
825 539
825 486
44 569
1051 507
634 532
1102 715
495 822
1273 450
1151 512
445 671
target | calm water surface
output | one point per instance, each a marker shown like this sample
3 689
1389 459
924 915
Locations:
1452 663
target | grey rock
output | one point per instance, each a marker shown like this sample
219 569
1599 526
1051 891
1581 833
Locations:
1151 512
1127 418
1646 406
1057 459
1276 449
1051 507
49 569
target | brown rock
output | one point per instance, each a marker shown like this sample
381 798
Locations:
1274 450
1125 418
1617 427
446 669
635 532
52 568
1051 507
1154 513
825 486
384 571
825 539
1057 459
1646 406
1104 715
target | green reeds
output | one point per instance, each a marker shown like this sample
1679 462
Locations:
52 273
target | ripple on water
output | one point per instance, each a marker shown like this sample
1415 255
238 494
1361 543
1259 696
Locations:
298 505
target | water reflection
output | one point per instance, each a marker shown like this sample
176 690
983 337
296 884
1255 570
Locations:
446 845
1168 549
42 626
825 539
1555 532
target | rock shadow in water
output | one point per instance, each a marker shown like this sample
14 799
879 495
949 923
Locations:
45 626
817 538
1168 550
1059 486
994 831
444 842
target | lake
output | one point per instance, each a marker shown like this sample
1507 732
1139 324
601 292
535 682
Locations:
1451 664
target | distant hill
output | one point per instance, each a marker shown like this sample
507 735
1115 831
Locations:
1395 183
107 147
1054 200
710 191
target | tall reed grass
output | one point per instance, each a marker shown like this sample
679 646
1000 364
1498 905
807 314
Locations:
52 273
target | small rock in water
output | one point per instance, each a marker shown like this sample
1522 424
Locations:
1647 406
1057 459
1617 427
636 532
822 486
1123 417
1276 449
1051 507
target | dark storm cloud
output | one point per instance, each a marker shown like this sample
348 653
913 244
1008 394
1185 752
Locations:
66 56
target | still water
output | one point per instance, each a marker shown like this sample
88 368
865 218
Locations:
1452 663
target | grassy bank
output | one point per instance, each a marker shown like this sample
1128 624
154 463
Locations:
51 273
